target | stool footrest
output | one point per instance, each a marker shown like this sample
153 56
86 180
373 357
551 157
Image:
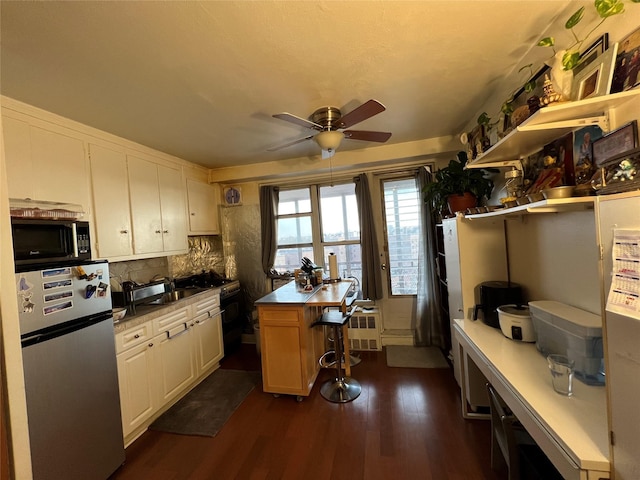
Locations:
324 363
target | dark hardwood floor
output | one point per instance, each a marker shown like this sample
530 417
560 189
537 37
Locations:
406 424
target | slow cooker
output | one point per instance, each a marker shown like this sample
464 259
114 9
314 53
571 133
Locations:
515 323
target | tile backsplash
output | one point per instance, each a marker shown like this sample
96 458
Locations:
205 253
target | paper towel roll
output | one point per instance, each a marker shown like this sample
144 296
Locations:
333 267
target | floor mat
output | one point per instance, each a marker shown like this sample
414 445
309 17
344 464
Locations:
415 357
206 408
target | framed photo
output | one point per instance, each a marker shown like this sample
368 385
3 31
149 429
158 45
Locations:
596 78
626 75
596 49
615 143
620 173
583 164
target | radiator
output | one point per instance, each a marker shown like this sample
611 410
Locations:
364 330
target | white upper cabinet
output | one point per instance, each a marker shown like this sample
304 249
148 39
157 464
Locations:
45 164
158 207
111 202
203 208
173 209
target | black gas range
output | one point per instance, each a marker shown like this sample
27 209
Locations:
228 287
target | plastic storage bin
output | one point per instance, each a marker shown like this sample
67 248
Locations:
569 331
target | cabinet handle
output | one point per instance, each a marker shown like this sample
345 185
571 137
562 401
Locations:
151 344
186 329
137 335
165 231
124 232
197 321
158 231
193 214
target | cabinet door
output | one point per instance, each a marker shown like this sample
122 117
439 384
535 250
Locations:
208 337
111 202
19 164
172 209
60 168
138 397
145 206
281 350
176 369
45 165
203 208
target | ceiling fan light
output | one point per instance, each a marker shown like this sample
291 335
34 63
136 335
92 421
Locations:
329 140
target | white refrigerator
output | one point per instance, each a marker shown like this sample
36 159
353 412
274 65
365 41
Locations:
618 219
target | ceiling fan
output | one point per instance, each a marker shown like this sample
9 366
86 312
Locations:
330 124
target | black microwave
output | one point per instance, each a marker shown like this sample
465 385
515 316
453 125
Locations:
49 241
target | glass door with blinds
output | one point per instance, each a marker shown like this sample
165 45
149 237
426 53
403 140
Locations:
399 242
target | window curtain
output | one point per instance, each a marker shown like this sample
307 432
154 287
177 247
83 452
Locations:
371 278
269 226
429 330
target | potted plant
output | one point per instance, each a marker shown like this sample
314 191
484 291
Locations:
456 188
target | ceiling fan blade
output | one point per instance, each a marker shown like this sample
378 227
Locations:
367 136
303 122
364 111
285 145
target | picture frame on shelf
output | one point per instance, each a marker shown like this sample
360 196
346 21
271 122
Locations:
596 49
583 164
615 143
596 78
627 70
620 173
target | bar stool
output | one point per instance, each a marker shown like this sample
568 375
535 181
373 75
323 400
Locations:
341 389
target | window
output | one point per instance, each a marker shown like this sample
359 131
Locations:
341 228
295 234
316 221
402 230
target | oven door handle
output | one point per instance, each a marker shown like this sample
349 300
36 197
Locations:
220 312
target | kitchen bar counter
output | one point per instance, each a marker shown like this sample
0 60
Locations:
572 431
289 346
328 295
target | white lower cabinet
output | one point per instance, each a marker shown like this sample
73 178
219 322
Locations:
160 360
208 337
138 399
176 361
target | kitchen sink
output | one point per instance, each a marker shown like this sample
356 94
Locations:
177 294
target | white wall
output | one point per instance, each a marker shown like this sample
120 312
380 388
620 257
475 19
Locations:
555 257
10 348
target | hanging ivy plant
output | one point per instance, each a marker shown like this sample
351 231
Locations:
605 9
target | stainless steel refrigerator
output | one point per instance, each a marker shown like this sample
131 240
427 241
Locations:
619 230
70 371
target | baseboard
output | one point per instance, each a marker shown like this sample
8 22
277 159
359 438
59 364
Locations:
397 337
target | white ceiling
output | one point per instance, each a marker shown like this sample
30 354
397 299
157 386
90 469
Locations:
200 80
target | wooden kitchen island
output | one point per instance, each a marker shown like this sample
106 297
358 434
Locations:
289 346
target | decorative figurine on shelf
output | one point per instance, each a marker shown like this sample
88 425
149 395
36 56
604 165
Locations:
549 95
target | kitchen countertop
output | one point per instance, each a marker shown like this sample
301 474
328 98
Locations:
565 427
144 313
332 294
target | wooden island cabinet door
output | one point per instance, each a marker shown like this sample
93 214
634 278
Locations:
282 361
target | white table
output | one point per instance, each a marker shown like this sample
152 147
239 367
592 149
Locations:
572 431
